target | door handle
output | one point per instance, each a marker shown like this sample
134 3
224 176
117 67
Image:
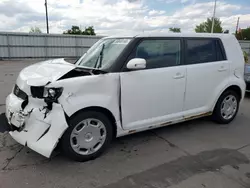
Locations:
178 75
222 68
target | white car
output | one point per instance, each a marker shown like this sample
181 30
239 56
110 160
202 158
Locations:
124 85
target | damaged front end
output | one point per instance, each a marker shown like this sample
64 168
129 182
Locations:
37 121
35 117
37 108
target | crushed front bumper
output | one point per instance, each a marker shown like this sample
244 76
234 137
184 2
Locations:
35 126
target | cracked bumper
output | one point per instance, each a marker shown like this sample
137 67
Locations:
33 129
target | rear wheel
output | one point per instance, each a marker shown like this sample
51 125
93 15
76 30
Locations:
227 107
87 137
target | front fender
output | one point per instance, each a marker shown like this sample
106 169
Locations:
74 103
90 91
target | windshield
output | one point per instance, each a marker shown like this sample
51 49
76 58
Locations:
103 53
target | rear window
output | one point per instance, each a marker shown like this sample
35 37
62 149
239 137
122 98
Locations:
204 51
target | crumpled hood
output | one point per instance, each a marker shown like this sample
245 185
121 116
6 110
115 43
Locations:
42 73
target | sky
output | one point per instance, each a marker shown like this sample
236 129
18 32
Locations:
123 17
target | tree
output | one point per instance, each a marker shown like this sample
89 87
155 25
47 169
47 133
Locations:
76 30
243 34
36 30
175 29
200 28
89 31
206 27
245 56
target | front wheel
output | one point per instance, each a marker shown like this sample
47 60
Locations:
227 107
89 134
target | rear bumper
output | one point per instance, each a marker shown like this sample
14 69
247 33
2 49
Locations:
35 126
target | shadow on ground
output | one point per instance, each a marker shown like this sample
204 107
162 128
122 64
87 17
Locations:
4 126
247 95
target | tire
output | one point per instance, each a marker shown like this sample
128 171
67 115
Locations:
78 141
218 115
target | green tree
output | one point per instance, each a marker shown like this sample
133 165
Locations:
200 28
36 30
89 31
76 30
206 27
175 29
243 34
245 56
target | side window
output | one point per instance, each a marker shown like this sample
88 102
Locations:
221 56
201 51
159 53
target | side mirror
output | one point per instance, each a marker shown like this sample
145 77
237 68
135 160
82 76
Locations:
136 63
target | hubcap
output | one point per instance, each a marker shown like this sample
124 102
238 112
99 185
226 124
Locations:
229 107
88 136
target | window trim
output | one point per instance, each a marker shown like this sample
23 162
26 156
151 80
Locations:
133 51
216 40
222 49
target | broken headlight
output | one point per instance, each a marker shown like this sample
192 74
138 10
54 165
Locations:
52 93
37 91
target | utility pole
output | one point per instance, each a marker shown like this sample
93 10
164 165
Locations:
237 26
47 19
212 30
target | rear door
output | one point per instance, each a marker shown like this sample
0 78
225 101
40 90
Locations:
207 72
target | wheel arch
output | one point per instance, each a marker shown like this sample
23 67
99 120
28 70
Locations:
234 88
102 110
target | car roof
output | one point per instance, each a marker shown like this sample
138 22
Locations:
199 35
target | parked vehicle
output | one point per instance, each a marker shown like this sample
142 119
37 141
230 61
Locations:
124 85
247 77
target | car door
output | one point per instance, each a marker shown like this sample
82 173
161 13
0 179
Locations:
207 74
153 95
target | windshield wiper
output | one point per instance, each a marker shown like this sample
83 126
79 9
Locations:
101 57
